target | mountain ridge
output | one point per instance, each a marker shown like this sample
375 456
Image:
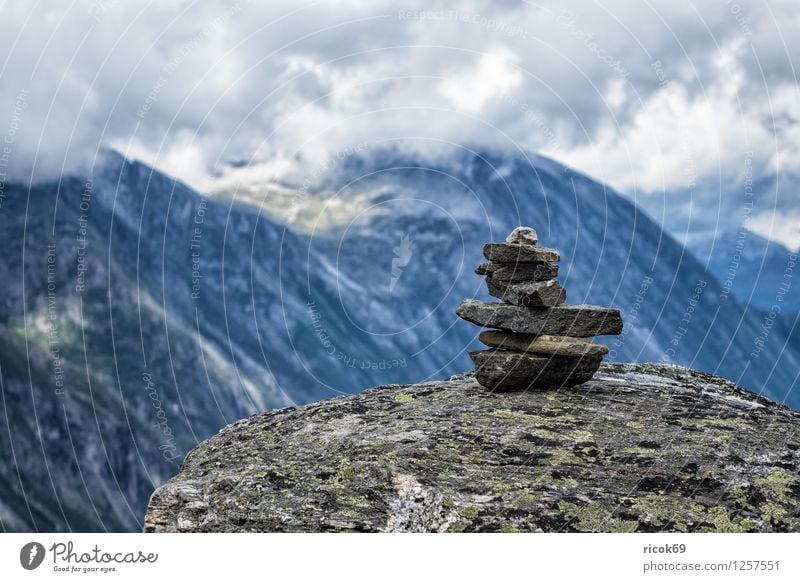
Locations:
284 317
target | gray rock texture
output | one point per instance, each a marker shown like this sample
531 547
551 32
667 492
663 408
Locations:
507 370
523 235
516 253
568 320
639 448
543 344
518 272
529 294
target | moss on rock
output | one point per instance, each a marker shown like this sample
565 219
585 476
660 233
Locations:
639 448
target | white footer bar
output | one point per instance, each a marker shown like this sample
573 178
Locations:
381 557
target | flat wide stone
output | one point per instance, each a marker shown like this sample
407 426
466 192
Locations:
528 294
568 320
504 370
506 253
518 272
543 344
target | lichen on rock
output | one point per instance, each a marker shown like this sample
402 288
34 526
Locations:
638 448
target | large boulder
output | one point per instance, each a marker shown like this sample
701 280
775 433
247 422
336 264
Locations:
638 448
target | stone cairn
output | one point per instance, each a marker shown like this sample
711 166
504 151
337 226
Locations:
536 340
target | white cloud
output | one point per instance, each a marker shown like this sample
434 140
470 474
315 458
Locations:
643 96
780 226
674 138
494 74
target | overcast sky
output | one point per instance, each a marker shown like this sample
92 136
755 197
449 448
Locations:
643 95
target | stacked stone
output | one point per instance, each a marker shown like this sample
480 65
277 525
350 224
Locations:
536 341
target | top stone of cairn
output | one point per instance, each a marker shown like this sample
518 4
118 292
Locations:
523 235
521 246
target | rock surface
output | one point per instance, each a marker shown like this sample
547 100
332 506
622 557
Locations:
568 320
529 294
543 344
506 253
638 448
523 235
518 272
507 370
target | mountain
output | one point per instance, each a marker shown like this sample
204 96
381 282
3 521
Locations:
73 457
638 448
149 315
754 269
744 231
613 254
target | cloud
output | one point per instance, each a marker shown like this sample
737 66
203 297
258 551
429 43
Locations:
646 96
674 138
493 74
779 226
